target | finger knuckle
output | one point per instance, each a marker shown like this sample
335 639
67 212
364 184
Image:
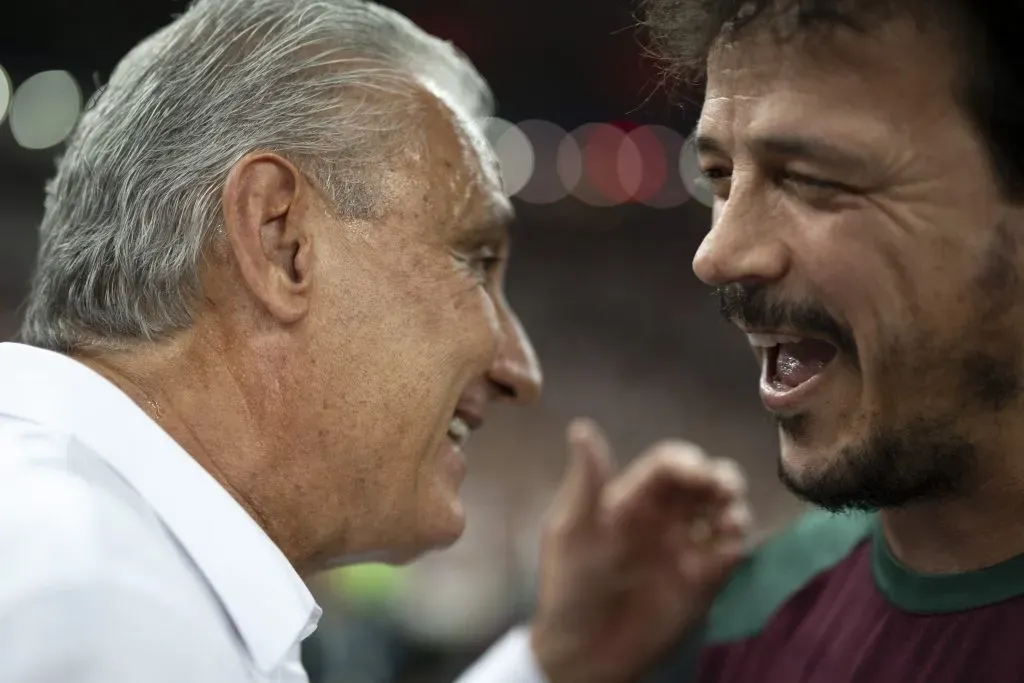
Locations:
678 453
730 473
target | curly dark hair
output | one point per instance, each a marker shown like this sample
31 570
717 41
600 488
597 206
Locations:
991 87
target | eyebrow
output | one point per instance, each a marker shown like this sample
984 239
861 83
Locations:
791 146
493 231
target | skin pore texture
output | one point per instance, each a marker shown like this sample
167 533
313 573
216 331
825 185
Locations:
330 355
856 205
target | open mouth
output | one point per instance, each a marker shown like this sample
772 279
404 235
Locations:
790 362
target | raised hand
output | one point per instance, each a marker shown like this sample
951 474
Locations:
630 562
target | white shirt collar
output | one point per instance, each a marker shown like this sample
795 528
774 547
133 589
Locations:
266 599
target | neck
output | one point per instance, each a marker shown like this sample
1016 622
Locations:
204 396
959 535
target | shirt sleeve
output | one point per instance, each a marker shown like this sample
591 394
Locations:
102 634
511 660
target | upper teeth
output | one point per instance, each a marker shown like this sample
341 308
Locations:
459 431
767 341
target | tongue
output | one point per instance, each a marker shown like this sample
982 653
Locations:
799 361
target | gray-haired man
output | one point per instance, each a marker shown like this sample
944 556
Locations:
267 315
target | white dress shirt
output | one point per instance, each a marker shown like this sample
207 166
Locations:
122 560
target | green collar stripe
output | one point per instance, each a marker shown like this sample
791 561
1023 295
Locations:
943 593
779 569
819 541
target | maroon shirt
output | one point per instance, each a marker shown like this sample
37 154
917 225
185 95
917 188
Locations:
827 603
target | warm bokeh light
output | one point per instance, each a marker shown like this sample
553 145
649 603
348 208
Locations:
44 109
569 164
601 149
659 149
600 164
632 171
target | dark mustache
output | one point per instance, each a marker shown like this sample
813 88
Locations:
749 305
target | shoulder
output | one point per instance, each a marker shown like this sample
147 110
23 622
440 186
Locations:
68 519
87 564
106 629
780 567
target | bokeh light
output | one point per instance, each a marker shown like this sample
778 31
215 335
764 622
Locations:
633 169
515 153
689 169
600 164
601 150
545 185
44 109
569 164
661 186
5 93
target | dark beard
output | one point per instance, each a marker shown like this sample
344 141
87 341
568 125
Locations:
926 461
931 457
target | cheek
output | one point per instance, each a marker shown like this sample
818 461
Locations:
474 325
881 276
849 275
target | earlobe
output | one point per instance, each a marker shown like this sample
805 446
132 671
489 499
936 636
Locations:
267 236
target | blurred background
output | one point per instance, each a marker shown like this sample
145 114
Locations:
609 219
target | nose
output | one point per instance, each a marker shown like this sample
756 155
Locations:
744 244
516 372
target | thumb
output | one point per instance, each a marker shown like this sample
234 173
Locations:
590 468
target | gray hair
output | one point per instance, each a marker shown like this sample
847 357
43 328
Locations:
136 202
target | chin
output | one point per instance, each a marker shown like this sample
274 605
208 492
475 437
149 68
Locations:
435 529
813 468
444 531
447 527
801 448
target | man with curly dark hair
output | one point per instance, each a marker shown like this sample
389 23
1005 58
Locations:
867 165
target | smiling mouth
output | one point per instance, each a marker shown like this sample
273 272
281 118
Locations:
789 361
464 422
459 431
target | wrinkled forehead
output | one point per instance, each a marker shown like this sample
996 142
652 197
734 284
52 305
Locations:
475 150
448 174
895 73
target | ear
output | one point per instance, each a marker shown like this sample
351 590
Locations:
268 233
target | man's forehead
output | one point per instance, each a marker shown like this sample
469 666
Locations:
795 84
476 173
469 130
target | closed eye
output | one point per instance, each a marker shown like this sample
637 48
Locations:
484 262
715 173
489 263
716 180
814 182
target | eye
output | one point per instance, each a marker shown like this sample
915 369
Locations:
489 264
814 183
713 173
715 179
485 262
